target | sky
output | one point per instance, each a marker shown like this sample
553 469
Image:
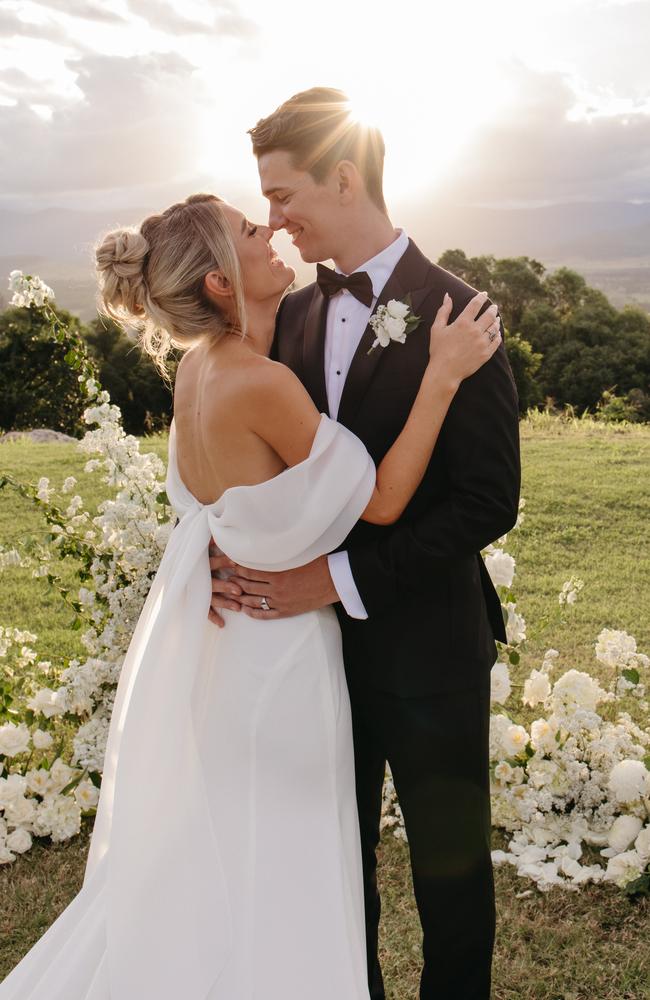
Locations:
133 103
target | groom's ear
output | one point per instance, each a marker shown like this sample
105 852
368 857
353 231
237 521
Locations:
347 180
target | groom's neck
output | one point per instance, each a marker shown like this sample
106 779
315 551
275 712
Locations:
365 237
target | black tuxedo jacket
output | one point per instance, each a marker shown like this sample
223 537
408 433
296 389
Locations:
433 612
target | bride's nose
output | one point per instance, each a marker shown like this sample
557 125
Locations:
266 232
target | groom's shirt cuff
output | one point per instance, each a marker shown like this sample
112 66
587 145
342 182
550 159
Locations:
339 565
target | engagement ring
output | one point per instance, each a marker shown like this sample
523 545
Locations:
492 335
264 604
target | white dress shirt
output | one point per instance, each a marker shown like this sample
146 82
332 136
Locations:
347 319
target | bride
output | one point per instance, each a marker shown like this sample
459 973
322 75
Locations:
225 861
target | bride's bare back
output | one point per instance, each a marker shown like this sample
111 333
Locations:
214 414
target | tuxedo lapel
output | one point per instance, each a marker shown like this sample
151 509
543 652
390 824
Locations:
409 276
313 351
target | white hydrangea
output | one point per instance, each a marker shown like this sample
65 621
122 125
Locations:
27 290
615 648
59 817
576 689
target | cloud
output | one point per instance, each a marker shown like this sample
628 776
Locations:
12 25
221 16
84 9
536 153
135 126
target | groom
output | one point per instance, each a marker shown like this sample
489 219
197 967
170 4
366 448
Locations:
417 610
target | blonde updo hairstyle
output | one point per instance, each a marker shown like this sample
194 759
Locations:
153 278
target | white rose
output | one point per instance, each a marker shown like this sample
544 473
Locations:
515 625
624 868
542 735
11 788
41 738
503 772
397 309
642 843
395 328
501 567
514 740
629 780
5 854
13 739
20 812
19 841
500 686
69 484
536 688
38 782
86 795
48 702
60 775
623 832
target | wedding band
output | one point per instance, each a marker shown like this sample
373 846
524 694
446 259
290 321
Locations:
264 604
492 335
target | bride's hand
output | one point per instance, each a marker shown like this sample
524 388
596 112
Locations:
462 347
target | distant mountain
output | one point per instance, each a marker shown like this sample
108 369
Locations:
607 242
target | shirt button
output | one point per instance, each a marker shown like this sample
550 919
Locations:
338 373
343 319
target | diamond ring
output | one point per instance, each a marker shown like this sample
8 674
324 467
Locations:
264 604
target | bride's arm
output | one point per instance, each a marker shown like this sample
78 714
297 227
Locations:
456 351
280 410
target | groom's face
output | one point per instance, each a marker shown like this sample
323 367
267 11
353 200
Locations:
311 212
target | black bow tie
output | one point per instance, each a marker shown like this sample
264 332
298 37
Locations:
358 284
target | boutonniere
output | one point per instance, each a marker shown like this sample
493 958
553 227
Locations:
393 322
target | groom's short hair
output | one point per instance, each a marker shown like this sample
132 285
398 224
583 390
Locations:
318 128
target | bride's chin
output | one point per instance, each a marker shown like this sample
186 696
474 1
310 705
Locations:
288 276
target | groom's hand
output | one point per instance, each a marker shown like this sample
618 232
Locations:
287 593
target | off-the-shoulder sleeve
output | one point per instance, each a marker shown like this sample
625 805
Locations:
305 511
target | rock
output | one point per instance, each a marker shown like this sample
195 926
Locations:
41 436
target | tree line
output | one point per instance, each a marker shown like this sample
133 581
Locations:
566 342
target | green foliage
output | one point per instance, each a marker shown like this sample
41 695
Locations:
525 365
571 345
39 386
131 378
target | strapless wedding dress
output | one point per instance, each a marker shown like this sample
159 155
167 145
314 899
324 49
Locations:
225 861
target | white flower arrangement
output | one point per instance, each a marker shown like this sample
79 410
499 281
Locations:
575 778
393 322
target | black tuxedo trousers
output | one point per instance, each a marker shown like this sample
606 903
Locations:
418 667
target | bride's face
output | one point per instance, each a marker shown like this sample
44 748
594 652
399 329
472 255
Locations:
264 274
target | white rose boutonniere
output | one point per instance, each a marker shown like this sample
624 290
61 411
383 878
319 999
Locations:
393 322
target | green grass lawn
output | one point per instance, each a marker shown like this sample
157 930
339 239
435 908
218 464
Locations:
587 513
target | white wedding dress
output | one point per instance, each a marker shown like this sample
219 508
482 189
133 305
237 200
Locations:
225 861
